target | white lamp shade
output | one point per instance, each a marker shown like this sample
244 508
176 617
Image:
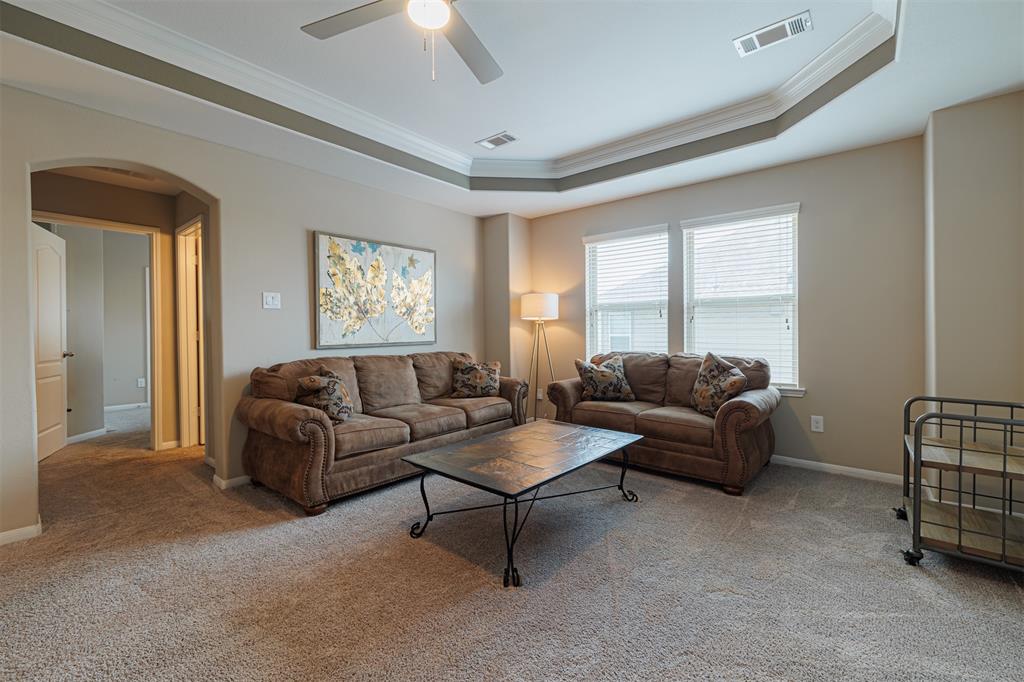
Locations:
538 307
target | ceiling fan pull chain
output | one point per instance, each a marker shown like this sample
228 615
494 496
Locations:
433 56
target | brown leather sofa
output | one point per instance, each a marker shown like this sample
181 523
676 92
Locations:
729 449
401 405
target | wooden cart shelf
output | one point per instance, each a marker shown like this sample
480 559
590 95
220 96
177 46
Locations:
978 458
982 530
982 515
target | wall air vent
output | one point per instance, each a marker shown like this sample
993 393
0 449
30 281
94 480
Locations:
773 34
496 140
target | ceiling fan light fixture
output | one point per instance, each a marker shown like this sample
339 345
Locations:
430 15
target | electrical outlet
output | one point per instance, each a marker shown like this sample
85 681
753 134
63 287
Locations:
817 424
141 382
540 394
271 300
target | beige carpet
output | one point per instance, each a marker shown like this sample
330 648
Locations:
146 571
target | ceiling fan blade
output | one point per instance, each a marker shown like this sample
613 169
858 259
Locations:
469 47
353 18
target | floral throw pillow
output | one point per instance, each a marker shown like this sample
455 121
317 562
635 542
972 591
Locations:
606 381
474 379
717 382
326 391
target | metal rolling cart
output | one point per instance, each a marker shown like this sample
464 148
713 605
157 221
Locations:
959 471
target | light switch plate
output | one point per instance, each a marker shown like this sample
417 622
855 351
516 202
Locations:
141 382
271 300
817 424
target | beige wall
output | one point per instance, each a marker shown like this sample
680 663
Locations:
861 288
974 184
90 199
84 250
506 265
73 196
125 323
260 239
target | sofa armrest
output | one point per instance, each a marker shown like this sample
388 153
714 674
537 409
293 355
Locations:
515 391
749 409
744 438
565 394
286 421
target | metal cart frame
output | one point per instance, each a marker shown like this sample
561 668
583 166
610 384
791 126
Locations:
959 528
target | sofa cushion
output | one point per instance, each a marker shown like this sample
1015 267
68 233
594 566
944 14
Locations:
677 424
717 382
479 410
617 416
605 381
474 379
363 433
281 380
683 368
434 372
426 421
386 381
327 393
645 373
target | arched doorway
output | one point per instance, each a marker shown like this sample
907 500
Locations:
126 198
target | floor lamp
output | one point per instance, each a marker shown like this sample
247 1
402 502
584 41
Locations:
539 308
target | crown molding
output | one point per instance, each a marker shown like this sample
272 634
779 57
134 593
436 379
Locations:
115 39
112 23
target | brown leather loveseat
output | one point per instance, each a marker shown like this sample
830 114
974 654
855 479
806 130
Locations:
401 405
729 449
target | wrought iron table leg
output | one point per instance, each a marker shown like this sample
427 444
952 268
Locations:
417 530
511 574
627 495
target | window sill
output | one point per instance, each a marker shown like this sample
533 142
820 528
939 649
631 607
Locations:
792 391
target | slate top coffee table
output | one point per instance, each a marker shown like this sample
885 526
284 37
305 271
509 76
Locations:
517 462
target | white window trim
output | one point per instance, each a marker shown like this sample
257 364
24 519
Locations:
624 234
787 390
739 216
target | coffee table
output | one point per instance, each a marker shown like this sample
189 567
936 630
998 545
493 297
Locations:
515 463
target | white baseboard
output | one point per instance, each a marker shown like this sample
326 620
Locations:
169 445
71 440
837 469
121 408
25 533
231 482
209 462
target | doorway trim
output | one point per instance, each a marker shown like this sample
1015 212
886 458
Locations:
192 227
155 331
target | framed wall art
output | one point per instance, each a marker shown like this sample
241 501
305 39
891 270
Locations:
371 293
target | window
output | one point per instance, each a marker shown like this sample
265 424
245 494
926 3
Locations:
627 291
740 287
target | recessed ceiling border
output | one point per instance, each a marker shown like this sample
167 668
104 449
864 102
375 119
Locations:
780 110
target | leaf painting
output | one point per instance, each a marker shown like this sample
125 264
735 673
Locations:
373 293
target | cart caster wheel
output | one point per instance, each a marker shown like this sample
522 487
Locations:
901 513
911 557
504 580
516 580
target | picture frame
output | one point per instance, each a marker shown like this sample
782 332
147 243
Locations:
371 293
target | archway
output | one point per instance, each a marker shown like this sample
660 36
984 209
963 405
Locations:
201 208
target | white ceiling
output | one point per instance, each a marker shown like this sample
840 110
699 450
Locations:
949 52
577 74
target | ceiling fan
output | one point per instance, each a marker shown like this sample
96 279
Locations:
431 15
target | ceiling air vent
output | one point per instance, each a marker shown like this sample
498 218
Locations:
496 140
773 34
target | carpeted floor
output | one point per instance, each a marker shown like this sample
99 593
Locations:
146 571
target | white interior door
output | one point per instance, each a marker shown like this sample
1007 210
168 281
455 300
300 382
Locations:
49 279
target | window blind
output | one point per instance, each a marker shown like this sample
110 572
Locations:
740 296
627 294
